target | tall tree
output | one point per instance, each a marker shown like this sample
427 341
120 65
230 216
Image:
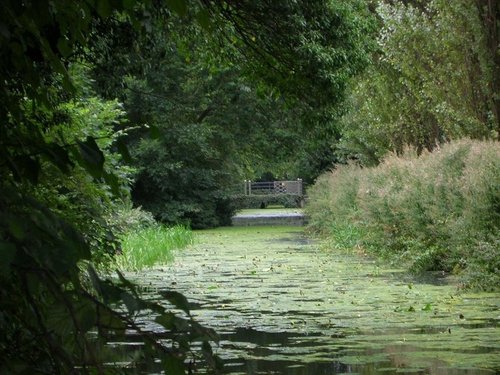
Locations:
432 80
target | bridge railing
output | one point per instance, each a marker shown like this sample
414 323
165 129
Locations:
294 187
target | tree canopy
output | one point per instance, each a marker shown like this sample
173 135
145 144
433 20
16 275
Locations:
166 105
89 85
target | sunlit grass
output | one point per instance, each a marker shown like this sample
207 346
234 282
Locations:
153 245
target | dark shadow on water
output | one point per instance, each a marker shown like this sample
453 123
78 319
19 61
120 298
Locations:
306 354
254 367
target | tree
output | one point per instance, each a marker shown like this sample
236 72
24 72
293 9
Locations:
308 50
57 312
57 178
432 81
214 125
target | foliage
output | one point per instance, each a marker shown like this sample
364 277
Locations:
241 201
438 211
211 129
61 173
59 177
307 50
432 80
148 246
213 118
126 218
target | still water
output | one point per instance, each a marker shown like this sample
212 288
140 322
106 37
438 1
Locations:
283 304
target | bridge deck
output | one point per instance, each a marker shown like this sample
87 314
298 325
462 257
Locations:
293 217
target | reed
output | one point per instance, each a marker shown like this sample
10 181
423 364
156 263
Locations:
435 211
146 247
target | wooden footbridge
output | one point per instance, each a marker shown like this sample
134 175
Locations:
272 216
293 187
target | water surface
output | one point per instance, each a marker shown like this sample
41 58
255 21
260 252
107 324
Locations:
283 304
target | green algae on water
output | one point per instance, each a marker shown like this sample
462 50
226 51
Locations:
283 303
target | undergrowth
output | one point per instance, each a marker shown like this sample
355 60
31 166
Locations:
435 211
145 247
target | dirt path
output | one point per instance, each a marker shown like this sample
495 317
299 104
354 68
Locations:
284 306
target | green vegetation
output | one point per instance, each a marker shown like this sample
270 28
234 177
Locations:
432 82
218 113
111 105
434 78
188 89
437 211
291 306
240 201
153 245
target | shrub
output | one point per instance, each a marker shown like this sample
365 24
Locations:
436 211
127 218
332 199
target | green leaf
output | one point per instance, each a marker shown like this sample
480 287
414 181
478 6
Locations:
206 348
123 150
104 8
178 6
58 156
111 321
92 158
130 302
26 168
64 47
86 315
154 132
166 320
177 299
173 365
75 242
128 4
7 255
203 19
94 279
109 292
16 227
428 307
113 182
172 323
126 283
201 333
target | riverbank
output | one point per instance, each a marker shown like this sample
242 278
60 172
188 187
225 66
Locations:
283 304
434 211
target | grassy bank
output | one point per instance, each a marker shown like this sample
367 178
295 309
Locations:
145 247
436 211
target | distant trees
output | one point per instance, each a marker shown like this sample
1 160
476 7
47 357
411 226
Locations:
219 118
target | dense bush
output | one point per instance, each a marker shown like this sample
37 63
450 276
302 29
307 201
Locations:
127 218
436 211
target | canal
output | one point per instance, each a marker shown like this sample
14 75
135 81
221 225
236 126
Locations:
285 304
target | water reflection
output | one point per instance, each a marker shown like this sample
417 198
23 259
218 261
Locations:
283 306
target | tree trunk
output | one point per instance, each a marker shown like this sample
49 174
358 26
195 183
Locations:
488 9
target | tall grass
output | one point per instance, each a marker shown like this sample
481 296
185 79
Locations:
145 247
436 211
